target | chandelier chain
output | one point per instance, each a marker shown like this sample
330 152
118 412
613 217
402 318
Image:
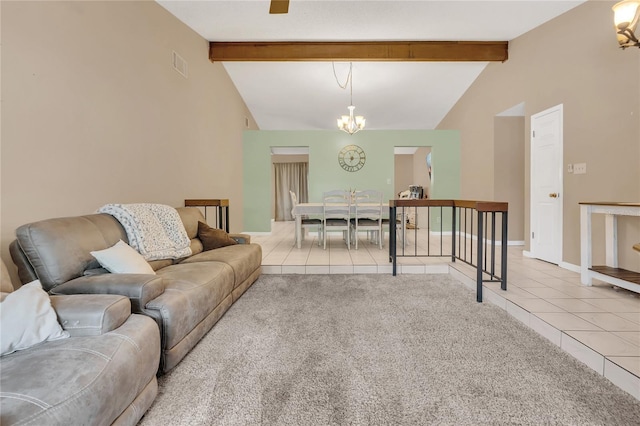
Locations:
342 86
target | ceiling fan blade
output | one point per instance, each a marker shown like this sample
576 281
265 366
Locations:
279 6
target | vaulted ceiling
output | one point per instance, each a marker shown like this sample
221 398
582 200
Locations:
306 95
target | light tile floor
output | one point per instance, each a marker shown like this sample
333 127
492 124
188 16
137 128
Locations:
598 325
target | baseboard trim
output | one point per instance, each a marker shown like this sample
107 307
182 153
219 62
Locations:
564 265
570 266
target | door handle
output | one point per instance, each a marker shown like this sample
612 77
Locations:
554 195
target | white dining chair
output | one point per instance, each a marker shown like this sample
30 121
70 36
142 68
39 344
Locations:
336 206
306 222
368 215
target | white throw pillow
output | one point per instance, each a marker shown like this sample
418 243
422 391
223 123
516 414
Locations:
27 319
123 259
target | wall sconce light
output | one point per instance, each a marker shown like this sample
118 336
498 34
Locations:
626 16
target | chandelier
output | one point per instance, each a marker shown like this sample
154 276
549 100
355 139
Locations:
350 123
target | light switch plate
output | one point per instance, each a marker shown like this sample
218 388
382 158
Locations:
579 168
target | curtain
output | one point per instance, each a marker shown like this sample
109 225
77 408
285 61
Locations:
289 177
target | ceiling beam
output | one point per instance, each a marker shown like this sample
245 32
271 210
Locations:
396 51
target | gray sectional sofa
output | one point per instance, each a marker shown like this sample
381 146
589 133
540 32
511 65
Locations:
185 298
103 373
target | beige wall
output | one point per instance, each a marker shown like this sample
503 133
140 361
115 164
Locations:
508 176
403 172
94 113
572 60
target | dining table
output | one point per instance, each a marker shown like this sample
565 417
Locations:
317 210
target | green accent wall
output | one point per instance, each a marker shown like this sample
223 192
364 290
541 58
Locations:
325 173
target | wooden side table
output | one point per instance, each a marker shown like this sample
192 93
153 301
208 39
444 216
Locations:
609 273
222 210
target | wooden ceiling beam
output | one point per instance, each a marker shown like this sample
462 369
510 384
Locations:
397 51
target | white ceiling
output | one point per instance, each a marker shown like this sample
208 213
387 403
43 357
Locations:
390 95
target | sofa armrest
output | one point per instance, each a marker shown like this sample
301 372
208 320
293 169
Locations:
91 315
139 288
241 238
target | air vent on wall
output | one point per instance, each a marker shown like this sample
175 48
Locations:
180 65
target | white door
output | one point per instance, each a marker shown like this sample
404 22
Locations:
546 185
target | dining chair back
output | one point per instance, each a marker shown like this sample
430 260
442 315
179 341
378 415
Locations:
305 222
368 215
294 200
336 207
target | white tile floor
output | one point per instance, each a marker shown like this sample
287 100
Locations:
598 325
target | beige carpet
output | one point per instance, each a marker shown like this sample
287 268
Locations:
379 350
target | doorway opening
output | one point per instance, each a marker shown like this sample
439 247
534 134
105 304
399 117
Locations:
412 168
289 172
413 176
509 167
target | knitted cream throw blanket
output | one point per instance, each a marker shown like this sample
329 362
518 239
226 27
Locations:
154 230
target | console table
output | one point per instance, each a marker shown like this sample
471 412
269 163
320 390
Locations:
610 272
222 210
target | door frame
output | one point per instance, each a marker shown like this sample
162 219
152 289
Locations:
532 206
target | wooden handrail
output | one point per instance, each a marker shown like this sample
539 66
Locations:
481 206
491 206
207 202
425 202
